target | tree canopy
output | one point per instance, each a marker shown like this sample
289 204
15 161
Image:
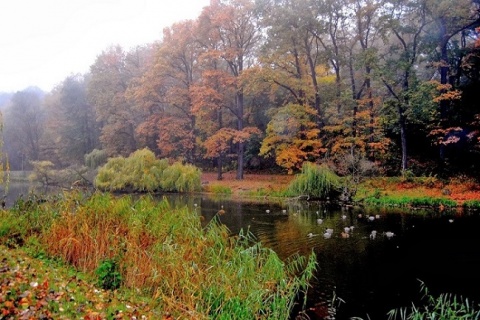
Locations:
252 83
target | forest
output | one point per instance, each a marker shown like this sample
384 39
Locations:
384 86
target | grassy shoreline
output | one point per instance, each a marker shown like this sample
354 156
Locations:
145 252
429 192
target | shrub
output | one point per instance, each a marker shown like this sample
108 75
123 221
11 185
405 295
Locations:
316 181
141 171
42 172
218 189
404 201
182 178
109 277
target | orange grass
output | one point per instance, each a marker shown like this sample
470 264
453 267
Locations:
164 252
456 189
251 182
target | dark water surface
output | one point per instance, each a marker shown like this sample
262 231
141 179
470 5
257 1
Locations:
364 277
358 276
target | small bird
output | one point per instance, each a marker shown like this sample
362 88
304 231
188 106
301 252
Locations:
319 221
329 230
347 229
344 217
373 234
267 211
389 234
371 218
327 235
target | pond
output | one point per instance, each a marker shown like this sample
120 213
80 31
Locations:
361 275
358 274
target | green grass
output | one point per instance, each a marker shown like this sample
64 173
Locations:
218 189
163 253
408 201
472 204
444 307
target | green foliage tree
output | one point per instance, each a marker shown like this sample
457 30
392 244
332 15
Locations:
71 130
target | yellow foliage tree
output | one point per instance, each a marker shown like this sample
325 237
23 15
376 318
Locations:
293 137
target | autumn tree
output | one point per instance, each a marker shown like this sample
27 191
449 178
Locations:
292 137
109 80
400 60
290 55
163 94
231 33
450 20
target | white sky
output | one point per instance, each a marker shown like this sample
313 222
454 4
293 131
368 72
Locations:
44 41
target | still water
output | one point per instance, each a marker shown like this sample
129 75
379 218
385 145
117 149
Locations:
361 275
358 275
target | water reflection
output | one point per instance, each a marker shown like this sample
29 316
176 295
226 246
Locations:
367 276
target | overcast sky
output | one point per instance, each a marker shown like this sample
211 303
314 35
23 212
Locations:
44 41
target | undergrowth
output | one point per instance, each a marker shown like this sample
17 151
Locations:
164 253
408 201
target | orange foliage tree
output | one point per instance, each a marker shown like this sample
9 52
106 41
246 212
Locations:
229 33
292 137
163 93
110 77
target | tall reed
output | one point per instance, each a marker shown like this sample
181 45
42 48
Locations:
446 307
192 272
317 181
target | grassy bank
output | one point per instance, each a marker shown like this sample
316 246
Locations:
148 249
420 192
378 191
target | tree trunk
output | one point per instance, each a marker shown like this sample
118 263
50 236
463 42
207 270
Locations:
241 145
403 137
219 167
